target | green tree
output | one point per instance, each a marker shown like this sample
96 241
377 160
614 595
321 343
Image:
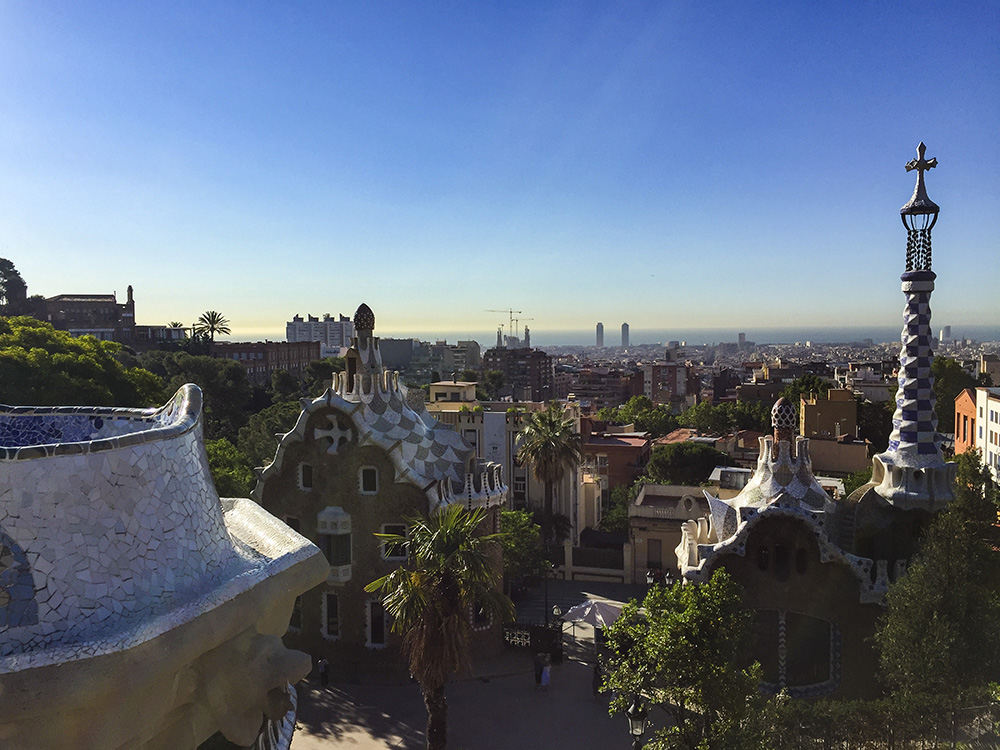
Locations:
222 381
857 479
210 323
469 376
949 380
448 575
875 422
707 419
644 414
230 469
521 542
40 366
683 463
939 639
284 387
320 372
13 290
750 415
804 386
684 653
548 443
615 518
492 382
259 437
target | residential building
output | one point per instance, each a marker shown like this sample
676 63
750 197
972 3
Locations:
528 373
261 359
965 421
987 428
616 459
989 364
104 318
362 459
655 521
829 417
334 333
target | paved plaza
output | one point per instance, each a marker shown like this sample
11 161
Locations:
497 709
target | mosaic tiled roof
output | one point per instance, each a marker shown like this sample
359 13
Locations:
364 318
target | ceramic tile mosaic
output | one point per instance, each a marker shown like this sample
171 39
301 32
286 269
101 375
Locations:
119 536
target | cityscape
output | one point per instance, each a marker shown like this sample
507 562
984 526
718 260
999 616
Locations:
545 375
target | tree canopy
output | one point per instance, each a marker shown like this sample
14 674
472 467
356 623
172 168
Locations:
719 419
949 380
521 542
939 639
644 414
40 366
258 438
683 651
222 381
230 469
683 463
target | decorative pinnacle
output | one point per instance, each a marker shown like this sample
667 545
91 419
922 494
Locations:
920 203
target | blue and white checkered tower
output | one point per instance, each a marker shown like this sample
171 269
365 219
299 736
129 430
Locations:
912 473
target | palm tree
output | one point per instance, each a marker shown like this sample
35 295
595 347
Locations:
211 323
550 445
449 577
176 324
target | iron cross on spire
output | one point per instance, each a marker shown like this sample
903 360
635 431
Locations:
920 162
919 204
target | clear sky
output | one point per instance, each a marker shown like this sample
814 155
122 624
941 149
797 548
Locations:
664 163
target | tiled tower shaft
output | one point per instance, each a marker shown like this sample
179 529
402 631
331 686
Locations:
914 424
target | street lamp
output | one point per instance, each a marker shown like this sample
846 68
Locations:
636 714
556 611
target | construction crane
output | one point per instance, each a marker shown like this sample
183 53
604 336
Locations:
511 312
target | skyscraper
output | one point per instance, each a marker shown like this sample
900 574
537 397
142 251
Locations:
600 335
624 335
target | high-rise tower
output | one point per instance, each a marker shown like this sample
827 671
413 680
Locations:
624 335
912 473
600 335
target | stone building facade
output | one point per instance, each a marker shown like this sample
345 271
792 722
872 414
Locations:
361 460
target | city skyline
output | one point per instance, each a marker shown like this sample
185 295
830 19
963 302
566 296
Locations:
732 167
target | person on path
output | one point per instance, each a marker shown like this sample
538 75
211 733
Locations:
539 662
546 673
324 671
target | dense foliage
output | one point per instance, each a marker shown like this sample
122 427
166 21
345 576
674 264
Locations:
683 652
940 637
521 542
40 366
683 463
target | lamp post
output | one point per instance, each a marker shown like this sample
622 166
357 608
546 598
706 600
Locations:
545 588
636 715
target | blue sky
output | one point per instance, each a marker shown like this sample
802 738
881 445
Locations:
670 164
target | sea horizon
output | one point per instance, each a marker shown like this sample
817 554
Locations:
691 337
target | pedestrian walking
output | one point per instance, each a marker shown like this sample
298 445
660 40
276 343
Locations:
539 661
546 673
324 671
